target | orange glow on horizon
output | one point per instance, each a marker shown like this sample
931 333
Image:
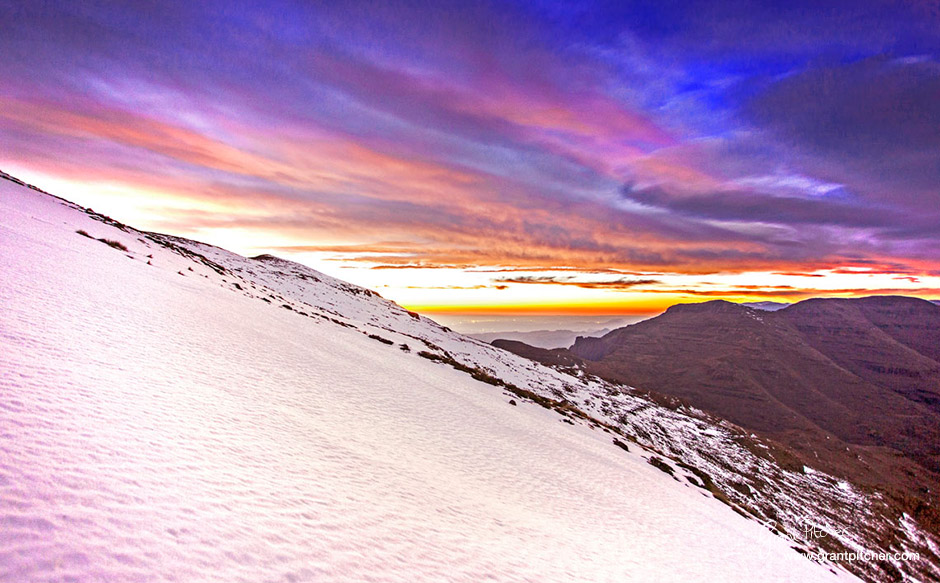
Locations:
634 307
630 308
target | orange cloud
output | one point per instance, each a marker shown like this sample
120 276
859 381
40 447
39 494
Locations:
621 284
133 130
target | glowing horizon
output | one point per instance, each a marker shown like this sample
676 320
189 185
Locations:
511 158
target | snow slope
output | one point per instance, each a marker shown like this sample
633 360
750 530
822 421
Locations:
175 412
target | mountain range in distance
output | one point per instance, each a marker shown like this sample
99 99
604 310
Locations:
563 338
542 338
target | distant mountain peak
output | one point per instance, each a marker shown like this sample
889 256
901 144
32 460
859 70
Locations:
711 306
767 306
287 263
266 257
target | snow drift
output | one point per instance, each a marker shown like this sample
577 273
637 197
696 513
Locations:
171 411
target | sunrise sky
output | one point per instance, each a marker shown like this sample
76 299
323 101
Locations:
506 157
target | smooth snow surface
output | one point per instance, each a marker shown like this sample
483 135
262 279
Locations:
156 425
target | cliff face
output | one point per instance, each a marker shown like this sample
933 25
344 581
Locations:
891 342
852 385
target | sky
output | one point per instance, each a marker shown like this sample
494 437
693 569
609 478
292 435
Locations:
583 158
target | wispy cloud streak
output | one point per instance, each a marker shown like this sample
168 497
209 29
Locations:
635 138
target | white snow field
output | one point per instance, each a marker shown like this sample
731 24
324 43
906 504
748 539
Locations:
164 423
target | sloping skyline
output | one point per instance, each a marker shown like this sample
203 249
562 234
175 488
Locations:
605 158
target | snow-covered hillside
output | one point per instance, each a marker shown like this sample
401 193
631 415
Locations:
173 411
